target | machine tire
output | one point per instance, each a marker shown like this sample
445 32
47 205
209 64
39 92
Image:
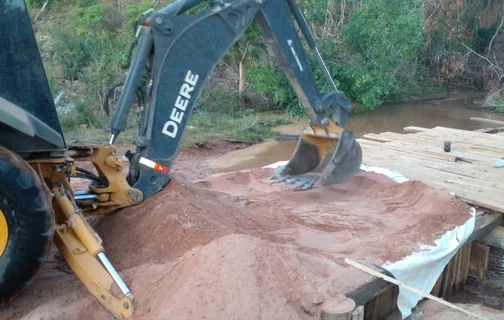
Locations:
25 203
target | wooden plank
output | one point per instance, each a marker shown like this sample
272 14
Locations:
456 273
501 123
408 165
435 153
374 137
497 130
486 192
464 136
436 139
485 203
371 309
481 155
367 292
478 173
464 268
442 180
386 302
479 260
415 129
448 275
485 157
442 134
467 139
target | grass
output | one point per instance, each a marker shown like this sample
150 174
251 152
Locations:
204 129
210 128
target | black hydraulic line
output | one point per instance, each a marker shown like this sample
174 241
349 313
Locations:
131 84
303 25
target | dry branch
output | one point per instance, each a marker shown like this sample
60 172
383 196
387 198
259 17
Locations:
495 34
41 10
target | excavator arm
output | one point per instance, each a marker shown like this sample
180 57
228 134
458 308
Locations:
176 53
179 51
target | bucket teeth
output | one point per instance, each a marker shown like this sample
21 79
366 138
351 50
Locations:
321 160
301 182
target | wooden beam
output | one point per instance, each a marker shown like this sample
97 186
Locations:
414 129
479 260
495 238
485 223
464 268
368 291
488 121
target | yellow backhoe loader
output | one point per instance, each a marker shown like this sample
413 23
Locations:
175 52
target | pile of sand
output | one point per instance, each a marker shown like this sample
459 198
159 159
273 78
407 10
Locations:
238 246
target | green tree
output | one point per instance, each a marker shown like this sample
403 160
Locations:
248 48
384 39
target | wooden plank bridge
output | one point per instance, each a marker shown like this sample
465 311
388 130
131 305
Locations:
465 170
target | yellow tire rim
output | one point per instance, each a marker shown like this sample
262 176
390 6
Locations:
4 233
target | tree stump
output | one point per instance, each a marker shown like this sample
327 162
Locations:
337 309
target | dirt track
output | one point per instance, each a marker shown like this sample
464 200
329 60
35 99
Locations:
237 246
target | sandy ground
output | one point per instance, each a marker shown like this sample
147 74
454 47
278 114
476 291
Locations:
238 246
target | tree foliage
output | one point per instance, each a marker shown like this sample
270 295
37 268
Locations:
383 39
375 49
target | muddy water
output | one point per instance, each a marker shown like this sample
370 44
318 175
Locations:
489 291
454 113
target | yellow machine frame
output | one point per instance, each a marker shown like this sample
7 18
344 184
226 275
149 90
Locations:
79 244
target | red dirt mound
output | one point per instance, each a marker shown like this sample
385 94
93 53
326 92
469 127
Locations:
239 246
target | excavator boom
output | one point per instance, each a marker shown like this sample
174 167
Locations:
179 51
176 53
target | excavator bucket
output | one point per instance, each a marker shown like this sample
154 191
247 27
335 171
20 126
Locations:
323 156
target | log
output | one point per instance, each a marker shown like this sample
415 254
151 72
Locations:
358 313
337 309
488 121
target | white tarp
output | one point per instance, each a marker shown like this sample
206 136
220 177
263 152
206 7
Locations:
421 269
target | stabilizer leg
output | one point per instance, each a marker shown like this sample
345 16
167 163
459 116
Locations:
82 249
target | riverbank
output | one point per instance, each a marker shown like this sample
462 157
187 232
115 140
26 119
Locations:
211 128
204 129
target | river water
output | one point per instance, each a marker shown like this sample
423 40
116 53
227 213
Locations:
454 113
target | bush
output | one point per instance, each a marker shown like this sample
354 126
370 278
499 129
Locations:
383 38
372 55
